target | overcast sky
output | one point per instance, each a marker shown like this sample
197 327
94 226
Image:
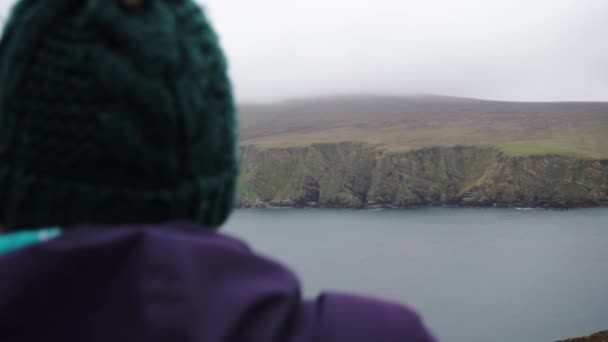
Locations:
496 49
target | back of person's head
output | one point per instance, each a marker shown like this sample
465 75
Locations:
114 112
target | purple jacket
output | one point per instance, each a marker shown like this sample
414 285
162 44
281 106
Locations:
176 285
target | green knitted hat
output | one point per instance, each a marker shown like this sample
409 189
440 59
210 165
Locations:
114 112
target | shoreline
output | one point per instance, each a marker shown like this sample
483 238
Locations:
264 205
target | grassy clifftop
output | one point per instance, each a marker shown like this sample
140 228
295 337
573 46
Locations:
360 175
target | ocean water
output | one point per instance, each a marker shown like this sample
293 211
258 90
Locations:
475 275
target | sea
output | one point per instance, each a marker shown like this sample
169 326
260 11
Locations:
475 275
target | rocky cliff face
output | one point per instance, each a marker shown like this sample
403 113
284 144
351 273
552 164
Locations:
358 175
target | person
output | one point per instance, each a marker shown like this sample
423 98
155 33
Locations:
118 162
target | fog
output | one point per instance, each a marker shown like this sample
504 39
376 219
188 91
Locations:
531 50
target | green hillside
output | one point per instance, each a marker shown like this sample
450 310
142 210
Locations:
578 129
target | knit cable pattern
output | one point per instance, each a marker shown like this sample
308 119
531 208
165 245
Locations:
114 112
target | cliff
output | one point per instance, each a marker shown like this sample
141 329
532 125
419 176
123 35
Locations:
360 175
401 151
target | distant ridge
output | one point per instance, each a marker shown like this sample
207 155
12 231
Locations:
427 97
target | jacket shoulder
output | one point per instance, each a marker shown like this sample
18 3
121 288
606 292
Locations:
352 318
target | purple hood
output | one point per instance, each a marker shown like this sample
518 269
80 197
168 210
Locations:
181 284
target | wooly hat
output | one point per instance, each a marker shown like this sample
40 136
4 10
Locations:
114 112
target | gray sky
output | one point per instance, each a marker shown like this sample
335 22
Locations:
498 49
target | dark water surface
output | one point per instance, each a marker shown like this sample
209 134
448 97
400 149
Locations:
476 275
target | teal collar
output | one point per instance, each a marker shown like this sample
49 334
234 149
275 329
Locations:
13 241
